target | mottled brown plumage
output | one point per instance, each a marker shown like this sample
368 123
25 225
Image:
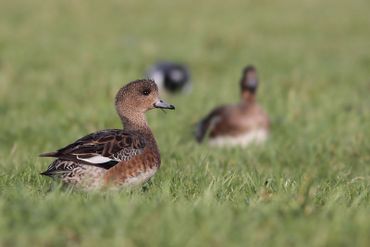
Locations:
240 124
114 157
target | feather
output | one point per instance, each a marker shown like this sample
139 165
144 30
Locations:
102 149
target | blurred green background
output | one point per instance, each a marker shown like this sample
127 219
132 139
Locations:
61 63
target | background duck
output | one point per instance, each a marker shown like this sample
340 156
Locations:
240 124
114 156
170 76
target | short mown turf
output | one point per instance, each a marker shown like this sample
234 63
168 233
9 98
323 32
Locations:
61 63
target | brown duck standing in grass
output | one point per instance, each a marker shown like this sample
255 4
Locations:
114 157
240 124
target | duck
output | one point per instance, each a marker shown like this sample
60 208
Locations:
240 124
114 158
171 77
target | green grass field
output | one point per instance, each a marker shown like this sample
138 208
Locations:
61 63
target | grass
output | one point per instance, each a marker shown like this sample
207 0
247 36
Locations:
61 63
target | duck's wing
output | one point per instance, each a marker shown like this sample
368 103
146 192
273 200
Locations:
103 148
207 124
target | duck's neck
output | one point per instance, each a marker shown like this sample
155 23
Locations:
134 122
248 97
138 123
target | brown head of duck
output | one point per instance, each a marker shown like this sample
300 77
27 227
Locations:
249 84
136 98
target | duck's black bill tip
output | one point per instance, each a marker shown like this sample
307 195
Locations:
171 107
164 105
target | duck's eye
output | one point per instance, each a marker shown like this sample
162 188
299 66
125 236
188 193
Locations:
146 92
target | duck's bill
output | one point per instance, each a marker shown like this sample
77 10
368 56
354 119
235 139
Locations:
163 105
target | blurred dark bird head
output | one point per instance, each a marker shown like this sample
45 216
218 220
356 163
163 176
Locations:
249 82
171 77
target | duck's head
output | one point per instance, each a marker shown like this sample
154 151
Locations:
139 96
170 76
249 82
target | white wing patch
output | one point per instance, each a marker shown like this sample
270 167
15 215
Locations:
98 159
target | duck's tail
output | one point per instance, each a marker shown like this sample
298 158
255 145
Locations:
200 130
206 124
50 154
